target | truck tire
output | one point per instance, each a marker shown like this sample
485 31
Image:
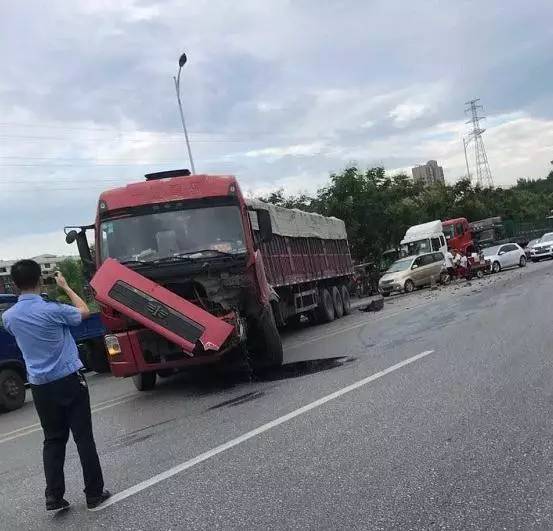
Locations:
325 309
12 390
346 301
337 302
266 345
145 381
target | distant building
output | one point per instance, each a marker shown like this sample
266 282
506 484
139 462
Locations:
429 173
47 262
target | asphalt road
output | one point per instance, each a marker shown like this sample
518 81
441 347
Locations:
433 413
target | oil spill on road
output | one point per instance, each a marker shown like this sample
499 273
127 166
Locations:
304 368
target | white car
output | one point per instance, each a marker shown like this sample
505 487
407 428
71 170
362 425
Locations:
543 248
504 256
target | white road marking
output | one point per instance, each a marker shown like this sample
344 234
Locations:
33 428
353 327
120 496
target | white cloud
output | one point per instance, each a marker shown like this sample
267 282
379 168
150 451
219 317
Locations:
283 151
404 113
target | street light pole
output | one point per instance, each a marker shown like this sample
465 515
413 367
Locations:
182 61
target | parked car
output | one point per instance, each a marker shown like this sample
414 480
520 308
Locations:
12 369
543 248
505 256
529 247
412 272
89 336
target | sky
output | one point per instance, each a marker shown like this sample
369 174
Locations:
280 93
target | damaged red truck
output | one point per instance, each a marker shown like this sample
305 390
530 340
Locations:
187 272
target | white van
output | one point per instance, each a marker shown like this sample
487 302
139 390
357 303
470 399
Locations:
424 238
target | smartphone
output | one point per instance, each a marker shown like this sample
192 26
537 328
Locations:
50 280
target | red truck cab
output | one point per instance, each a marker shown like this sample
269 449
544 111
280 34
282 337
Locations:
178 276
458 235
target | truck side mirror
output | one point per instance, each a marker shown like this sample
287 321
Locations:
265 225
89 268
70 237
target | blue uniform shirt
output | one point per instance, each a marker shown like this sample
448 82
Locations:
41 330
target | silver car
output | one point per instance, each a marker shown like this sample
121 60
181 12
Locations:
412 272
504 256
543 248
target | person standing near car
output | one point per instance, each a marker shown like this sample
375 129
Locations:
449 264
59 390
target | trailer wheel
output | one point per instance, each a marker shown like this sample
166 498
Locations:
12 390
145 381
346 301
337 302
479 273
325 309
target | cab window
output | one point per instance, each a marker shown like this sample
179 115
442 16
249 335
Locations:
435 244
459 229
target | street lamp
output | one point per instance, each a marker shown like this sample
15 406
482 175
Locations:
182 62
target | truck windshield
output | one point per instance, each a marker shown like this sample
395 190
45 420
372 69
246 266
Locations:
416 247
448 230
155 236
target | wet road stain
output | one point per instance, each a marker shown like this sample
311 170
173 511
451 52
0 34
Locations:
304 368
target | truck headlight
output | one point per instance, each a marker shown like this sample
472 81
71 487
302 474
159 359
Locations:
112 345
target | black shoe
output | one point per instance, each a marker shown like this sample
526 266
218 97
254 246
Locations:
95 501
56 504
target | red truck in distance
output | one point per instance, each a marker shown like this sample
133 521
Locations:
459 235
187 272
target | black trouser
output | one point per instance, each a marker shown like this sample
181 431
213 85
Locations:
64 405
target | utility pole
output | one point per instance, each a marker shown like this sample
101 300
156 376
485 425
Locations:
483 172
182 62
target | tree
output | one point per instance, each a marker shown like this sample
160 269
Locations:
378 208
72 270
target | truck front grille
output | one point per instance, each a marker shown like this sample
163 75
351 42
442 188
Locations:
156 311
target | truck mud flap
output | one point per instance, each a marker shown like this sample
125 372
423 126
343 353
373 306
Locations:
157 308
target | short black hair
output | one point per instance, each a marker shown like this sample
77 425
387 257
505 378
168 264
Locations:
25 274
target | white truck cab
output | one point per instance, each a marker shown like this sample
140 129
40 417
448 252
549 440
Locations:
424 238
